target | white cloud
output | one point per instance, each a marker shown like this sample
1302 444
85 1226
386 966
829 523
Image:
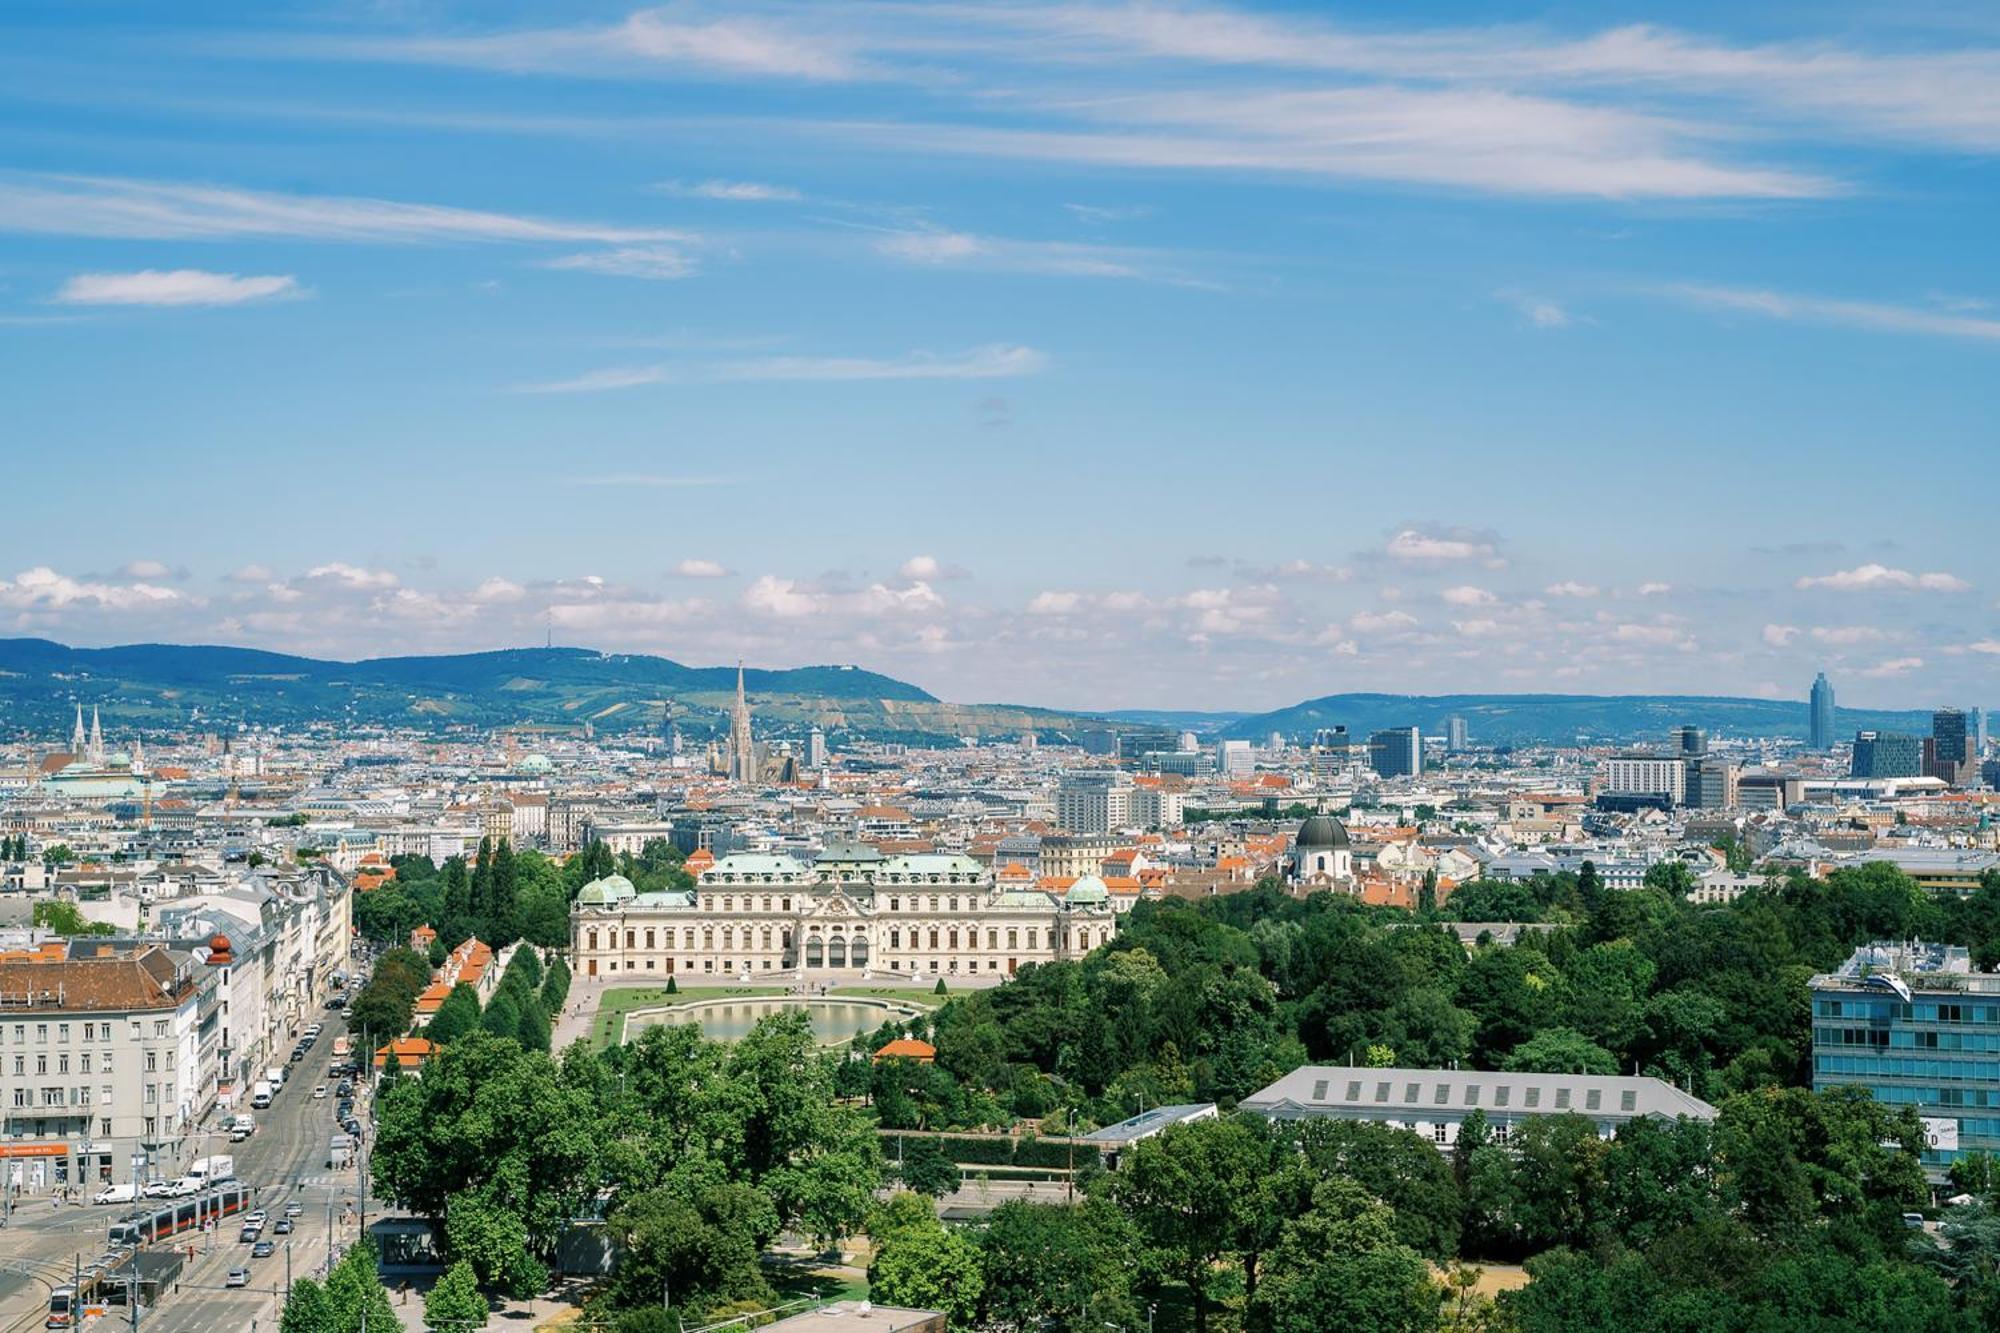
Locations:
1841 636
658 263
43 589
1467 595
1869 315
1873 577
996 361
1378 622
662 40
1534 310
1655 589
940 248
344 575
922 567
156 210
1991 647
497 589
175 287
146 569
1653 635
1899 666
1570 588
1477 629
252 574
1780 636
738 192
1419 547
789 599
701 569
1054 603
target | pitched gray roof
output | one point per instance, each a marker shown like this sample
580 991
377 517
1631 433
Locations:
1418 1094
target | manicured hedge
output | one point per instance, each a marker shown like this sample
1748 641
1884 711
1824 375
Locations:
997 1151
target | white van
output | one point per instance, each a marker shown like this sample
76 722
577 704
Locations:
116 1194
260 1095
183 1187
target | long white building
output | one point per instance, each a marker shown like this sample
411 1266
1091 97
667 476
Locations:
850 909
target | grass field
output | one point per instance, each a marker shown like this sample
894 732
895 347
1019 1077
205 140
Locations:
618 1001
615 1003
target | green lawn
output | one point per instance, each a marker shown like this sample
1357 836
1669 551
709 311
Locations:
923 996
614 1004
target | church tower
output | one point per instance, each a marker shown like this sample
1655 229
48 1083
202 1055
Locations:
76 741
742 750
96 739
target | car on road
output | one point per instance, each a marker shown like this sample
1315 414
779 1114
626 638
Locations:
183 1187
256 1217
346 1089
319 1093
282 1227
263 1249
351 1126
298 1054
115 1194
239 1277
294 1208
252 1232
157 1189
313 1030
239 1134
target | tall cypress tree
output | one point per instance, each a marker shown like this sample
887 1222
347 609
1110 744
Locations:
482 887
503 915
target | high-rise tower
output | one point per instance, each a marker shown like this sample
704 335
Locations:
1819 722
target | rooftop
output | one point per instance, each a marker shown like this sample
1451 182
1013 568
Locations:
1313 1090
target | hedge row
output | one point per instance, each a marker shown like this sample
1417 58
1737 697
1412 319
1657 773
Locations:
996 1151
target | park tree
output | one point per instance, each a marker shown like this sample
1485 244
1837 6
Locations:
1339 1266
699 1250
455 1305
1183 1190
1561 1051
308 1309
925 1169
354 1291
1046 1264
921 1265
458 1015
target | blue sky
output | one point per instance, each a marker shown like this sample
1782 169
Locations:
1093 355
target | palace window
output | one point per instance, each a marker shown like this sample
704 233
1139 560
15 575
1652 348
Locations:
649 938
934 936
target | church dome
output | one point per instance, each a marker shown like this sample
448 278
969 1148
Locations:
1321 833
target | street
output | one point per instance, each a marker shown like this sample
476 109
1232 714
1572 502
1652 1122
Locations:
284 1162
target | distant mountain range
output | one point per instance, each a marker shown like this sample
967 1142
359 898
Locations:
1524 719
172 685
167 686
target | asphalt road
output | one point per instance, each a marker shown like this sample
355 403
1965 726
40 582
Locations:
284 1161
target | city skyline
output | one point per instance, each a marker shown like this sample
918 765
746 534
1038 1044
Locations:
1196 356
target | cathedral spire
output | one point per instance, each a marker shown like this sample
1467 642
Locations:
76 737
742 750
96 738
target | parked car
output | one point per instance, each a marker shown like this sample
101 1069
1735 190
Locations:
157 1189
115 1194
346 1090
239 1134
239 1277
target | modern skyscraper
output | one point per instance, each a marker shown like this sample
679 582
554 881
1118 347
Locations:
1455 736
1397 752
1950 752
1886 754
816 750
1692 742
1819 725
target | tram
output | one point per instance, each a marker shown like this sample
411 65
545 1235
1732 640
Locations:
177 1217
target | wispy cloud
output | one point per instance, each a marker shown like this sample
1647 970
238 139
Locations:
998 361
1537 311
644 480
658 263
175 287
1870 315
735 192
156 210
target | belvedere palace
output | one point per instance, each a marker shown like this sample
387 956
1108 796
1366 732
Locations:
849 909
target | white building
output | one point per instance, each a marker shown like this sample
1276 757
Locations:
850 909
1646 774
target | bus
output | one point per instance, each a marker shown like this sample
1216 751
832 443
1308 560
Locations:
175 1217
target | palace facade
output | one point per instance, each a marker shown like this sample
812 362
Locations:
850 909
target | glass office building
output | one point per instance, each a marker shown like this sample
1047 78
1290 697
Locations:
1917 1027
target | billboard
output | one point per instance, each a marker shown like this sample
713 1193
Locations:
1940 1135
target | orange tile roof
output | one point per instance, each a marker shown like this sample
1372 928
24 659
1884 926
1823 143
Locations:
410 1052
908 1048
